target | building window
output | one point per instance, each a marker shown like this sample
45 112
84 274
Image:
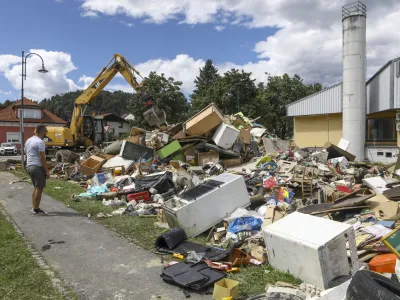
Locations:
381 129
31 113
13 137
121 125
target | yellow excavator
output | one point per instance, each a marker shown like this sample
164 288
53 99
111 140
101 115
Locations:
86 131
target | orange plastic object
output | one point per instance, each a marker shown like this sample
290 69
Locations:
383 263
239 258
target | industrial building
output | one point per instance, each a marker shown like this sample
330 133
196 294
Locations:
365 115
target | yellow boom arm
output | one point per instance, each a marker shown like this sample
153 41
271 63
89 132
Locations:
117 64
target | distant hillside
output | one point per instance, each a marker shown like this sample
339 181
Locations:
62 104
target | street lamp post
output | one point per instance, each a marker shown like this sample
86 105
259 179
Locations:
42 70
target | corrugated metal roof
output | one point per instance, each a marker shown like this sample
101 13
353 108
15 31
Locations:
327 101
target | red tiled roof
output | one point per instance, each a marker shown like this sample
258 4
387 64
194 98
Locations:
27 102
9 115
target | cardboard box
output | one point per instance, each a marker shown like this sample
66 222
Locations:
226 288
206 157
171 148
245 136
232 162
204 121
181 134
92 165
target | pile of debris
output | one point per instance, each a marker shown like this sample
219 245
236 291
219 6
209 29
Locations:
315 213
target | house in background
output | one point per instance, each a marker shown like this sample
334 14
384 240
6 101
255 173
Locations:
33 116
128 117
118 125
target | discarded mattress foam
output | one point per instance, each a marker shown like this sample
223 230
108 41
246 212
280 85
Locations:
191 276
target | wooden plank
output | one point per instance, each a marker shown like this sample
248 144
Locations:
353 201
338 209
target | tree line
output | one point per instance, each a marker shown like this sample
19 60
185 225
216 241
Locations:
232 92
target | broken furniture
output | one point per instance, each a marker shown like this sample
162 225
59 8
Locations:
92 165
207 204
204 121
311 248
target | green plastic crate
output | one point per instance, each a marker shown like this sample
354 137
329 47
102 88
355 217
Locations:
171 148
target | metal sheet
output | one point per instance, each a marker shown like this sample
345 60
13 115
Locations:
379 91
327 101
396 82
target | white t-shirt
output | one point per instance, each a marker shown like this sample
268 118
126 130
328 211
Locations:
33 146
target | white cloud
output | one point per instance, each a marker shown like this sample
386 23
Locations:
86 80
308 40
128 24
219 28
89 14
7 93
183 68
39 85
6 60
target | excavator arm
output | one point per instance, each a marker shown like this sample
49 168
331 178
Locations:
118 63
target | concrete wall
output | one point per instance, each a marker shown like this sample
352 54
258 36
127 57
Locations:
314 131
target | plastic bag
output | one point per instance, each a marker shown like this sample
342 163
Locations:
245 224
193 257
161 182
270 182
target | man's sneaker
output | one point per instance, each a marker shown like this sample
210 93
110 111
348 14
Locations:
38 212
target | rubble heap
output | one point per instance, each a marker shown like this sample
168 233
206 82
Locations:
316 213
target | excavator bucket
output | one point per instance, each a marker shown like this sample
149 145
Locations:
155 116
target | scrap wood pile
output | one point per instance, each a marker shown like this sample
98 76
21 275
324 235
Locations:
258 199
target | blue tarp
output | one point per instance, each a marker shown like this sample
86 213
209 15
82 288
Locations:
94 191
245 224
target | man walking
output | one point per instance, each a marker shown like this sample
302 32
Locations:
37 167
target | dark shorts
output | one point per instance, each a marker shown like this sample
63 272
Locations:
38 176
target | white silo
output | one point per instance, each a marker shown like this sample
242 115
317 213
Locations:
354 75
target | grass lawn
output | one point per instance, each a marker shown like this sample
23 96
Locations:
20 276
143 232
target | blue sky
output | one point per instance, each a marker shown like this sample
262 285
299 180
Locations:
77 38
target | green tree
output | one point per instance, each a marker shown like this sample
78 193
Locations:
273 96
106 102
208 75
167 92
233 92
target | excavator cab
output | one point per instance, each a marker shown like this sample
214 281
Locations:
93 129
